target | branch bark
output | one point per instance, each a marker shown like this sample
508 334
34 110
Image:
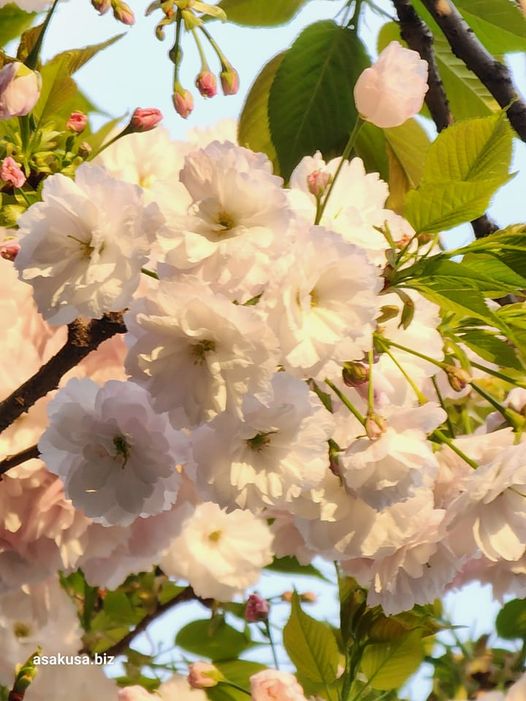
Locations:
491 73
415 32
83 337
21 457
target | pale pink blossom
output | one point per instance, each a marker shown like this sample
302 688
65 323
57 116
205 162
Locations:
183 102
12 173
272 685
393 89
135 693
19 90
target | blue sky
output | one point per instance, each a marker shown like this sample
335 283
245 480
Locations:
137 72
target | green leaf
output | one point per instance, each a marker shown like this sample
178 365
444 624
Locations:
59 94
311 105
13 21
434 208
464 167
290 565
311 646
511 620
212 638
261 13
499 24
474 149
119 610
490 347
407 146
387 665
253 128
371 148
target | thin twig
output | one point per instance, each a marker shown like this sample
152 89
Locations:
83 337
122 646
21 457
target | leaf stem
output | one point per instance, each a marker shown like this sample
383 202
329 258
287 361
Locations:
347 402
272 644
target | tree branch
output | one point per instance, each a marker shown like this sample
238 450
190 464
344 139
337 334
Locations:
14 460
415 32
83 337
187 594
491 73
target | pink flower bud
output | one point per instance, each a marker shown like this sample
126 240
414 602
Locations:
123 12
393 89
9 250
77 122
145 119
375 426
202 675
257 609
19 90
102 6
206 83
10 172
229 80
317 182
183 102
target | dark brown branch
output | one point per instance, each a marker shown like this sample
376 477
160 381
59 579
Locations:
187 594
491 73
415 32
15 460
83 337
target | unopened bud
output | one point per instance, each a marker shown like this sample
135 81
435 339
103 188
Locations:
424 238
77 122
308 597
11 173
85 150
229 80
375 426
183 101
206 83
102 6
123 12
257 609
317 182
287 596
457 377
145 119
355 374
9 250
203 675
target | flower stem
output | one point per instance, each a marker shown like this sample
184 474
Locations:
272 644
437 433
504 411
235 686
345 400
345 155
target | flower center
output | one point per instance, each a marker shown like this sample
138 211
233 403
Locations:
21 630
225 221
260 441
199 350
122 448
314 297
215 536
85 247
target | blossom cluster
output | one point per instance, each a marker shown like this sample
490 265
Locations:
266 399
